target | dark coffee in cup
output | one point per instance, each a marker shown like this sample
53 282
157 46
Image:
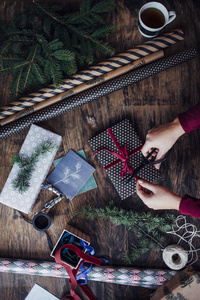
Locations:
153 18
41 221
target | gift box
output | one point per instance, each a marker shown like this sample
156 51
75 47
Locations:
125 136
90 183
184 285
75 237
70 174
24 201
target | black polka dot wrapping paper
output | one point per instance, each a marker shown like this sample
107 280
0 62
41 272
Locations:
96 92
125 136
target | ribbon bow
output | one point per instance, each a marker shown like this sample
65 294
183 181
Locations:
122 157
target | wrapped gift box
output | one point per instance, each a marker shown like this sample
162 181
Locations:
184 285
74 237
25 201
125 135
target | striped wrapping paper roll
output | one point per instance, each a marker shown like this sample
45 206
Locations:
149 278
120 60
97 92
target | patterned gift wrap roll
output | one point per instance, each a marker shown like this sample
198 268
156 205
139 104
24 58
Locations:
149 278
120 60
97 92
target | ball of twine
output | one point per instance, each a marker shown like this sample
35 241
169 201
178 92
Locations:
175 257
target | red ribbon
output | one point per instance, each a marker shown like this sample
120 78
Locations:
73 272
121 158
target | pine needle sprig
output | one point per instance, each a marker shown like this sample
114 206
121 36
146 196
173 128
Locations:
27 165
44 44
135 252
148 227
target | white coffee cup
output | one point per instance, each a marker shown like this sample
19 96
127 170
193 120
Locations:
153 17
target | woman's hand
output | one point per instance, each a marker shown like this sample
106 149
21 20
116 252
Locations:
156 196
162 138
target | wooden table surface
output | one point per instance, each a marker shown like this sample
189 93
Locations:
148 103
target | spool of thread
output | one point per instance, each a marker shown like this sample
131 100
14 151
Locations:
175 257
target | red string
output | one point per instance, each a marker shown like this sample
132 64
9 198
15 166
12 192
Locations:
72 272
122 157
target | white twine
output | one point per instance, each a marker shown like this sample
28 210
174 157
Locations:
174 255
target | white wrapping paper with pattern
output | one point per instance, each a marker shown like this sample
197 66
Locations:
25 201
125 135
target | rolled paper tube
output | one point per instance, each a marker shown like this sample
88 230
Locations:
111 64
149 278
96 92
84 86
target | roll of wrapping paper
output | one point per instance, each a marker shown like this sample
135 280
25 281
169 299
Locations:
97 92
149 278
114 63
84 86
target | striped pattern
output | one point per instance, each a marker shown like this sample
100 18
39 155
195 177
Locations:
120 60
96 92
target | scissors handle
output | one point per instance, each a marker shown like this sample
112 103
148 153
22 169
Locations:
149 155
145 162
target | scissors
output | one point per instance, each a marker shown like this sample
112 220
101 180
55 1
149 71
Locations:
146 161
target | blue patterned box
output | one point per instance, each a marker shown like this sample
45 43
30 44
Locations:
90 183
125 135
70 174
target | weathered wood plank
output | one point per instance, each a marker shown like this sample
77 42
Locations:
146 104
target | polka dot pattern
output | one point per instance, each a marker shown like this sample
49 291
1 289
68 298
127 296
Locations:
125 135
24 202
96 92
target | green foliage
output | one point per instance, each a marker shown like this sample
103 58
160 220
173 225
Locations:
135 252
180 297
184 279
27 166
148 227
197 278
168 294
43 43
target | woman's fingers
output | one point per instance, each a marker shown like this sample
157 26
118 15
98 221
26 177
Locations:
147 185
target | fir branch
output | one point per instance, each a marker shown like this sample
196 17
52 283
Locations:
135 253
147 226
27 165
82 34
43 43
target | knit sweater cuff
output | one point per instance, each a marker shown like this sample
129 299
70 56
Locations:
190 206
190 120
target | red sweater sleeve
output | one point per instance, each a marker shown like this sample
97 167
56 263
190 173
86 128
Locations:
190 120
190 206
